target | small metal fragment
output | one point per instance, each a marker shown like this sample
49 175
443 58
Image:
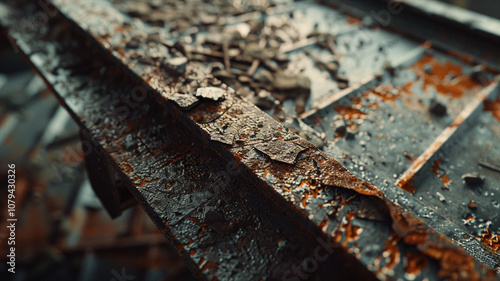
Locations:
211 93
472 179
440 197
437 108
472 205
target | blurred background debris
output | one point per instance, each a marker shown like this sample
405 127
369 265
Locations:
63 233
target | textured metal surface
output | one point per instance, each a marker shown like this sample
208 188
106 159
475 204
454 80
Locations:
239 194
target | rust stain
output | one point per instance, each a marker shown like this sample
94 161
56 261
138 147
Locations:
411 229
353 20
347 232
202 261
384 92
323 223
407 87
366 188
407 185
493 107
491 240
304 200
314 192
445 180
349 114
447 78
454 264
318 120
391 254
143 181
435 166
127 168
415 262
209 265
435 170
469 219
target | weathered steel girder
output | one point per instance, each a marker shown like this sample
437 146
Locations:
236 192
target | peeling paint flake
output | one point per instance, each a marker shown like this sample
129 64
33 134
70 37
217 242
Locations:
280 150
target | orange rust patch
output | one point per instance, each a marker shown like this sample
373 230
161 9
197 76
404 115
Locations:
353 20
347 231
307 183
351 113
314 192
323 223
368 189
435 170
126 167
493 107
317 120
304 200
383 92
202 261
209 265
491 240
407 185
144 181
415 262
407 87
391 254
469 219
455 264
411 229
445 179
456 86
348 113
409 157
435 167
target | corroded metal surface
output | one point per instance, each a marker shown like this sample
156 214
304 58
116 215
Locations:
240 195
